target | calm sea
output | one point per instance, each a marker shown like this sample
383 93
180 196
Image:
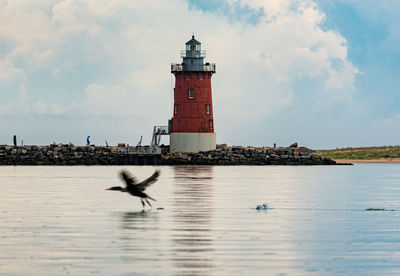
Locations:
61 220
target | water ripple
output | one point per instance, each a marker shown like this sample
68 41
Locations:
60 220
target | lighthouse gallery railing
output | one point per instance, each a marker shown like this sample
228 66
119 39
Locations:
208 67
191 54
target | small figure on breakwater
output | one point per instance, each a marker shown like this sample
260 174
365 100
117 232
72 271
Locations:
15 140
139 144
88 140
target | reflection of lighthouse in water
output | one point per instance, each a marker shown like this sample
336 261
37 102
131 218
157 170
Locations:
192 124
192 241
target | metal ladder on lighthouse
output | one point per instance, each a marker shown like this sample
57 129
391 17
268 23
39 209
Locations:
158 131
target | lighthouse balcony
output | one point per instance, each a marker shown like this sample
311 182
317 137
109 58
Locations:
193 54
207 67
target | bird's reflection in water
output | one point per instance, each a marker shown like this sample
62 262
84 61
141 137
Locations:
133 220
191 239
137 234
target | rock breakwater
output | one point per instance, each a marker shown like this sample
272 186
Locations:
238 155
68 154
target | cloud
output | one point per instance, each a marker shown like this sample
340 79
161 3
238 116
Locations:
103 100
10 74
390 124
57 109
12 88
91 59
40 108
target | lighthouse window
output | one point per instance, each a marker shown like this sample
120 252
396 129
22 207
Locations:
208 108
192 47
191 61
191 93
176 109
211 124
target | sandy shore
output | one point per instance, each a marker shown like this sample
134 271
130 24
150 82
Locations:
382 160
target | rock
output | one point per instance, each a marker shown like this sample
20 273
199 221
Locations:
294 145
375 209
263 206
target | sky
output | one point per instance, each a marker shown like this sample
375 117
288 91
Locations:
322 73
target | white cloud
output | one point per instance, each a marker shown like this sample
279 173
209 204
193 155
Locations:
14 97
116 55
103 100
40 108
9 73
392 122
57 109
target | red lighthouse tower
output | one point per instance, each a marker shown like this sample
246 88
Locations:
192 124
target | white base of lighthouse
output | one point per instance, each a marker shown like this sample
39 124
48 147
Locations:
192 142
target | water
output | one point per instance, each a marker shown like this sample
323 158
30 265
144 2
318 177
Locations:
61 220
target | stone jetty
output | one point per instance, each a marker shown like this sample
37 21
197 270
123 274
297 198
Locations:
239 155
68 154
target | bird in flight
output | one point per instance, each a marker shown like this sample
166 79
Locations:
135 188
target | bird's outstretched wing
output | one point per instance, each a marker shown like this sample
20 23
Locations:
146 183
128 178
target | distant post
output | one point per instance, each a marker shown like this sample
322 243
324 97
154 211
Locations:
15 140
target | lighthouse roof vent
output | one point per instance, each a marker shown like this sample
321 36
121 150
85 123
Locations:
193 41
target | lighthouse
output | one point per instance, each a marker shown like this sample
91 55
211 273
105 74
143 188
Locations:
192 124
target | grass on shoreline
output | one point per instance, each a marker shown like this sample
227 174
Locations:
364 153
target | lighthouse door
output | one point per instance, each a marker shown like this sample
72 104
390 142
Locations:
203 125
